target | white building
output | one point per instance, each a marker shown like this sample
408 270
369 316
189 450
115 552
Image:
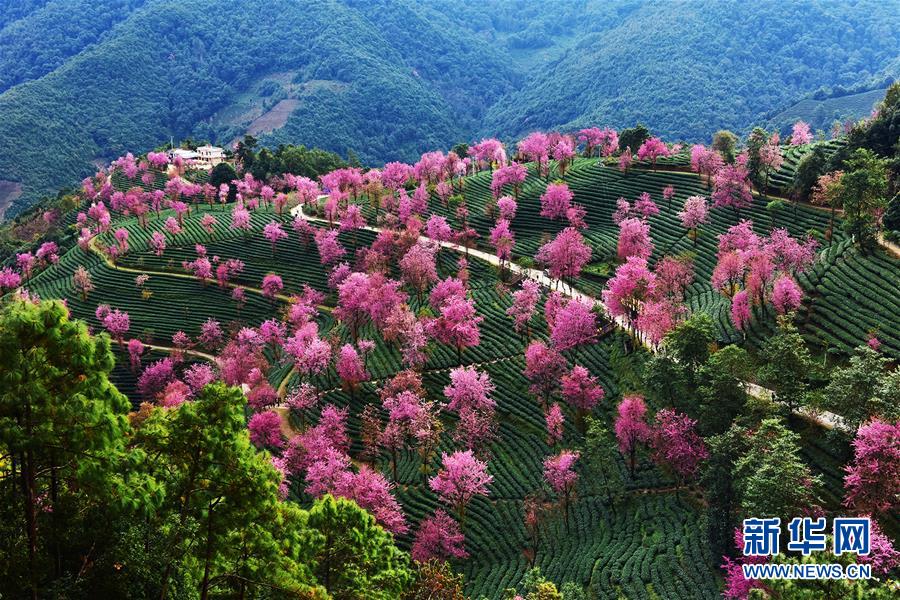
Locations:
210 155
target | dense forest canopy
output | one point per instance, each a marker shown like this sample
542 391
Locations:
83 82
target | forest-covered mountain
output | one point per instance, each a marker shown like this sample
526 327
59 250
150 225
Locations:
82 82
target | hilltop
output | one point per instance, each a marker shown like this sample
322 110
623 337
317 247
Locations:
84 82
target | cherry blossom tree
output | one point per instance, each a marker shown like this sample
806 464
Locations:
560 474
555 421
625 160
274 233
438 537
676 445
265 429
469 388
652 149
582 392
460 479
536 148
135 350
695 214
503 240
208 223
419 267
543 368
706 162
872 482
634 239
524 304
563 152
800 134
732 186
330 249
631 428
668 193
770 159
556 200
786 294
645 206
116 322
272 286
575 324
240 218
513 174
457 325
350 368
81 279
740 310
632 284
438 229
565 255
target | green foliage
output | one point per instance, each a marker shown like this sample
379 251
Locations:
721 389
862 192
633 137
864 388
786 365
725 143
770 478
62 435
353 556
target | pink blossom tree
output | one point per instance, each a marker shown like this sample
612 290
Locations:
574 325
438 537
543 368
535 147
582 392
732 187
457 325
81 279
872 482
668 193
524 304
800 134
274 233
461 478
419 268
556 200
503 240
117 323
507 207
786 295
770 159
563 152
565 255
652 149
272 286
350 368
634 239
555 421
632 284
676 445
631 428
135 350
265 429
695 214
559 472
740 310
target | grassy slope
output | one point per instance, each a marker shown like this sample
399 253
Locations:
649 544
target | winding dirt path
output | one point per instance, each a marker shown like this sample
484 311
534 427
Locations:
826 419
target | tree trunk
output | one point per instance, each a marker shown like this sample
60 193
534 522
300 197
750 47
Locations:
204 586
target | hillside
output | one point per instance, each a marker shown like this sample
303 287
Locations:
821 114
634 526
687 69
82 82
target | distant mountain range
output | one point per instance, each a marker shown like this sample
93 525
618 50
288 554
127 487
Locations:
83 81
